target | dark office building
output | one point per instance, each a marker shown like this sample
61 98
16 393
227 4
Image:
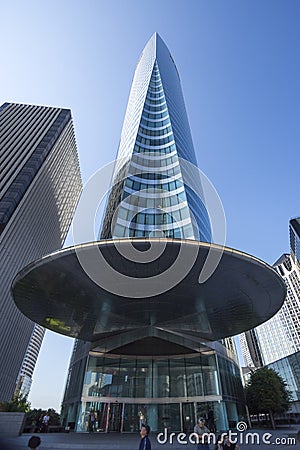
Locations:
295 239
40 184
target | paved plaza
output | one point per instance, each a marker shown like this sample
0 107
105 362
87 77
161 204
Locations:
281 438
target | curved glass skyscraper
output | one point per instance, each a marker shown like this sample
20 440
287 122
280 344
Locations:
148 178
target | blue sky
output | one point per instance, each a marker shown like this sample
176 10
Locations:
240 69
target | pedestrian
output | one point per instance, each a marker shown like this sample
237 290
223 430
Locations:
145 443
92 421
45 422
202 431
211 421
34 442
219 443
228 445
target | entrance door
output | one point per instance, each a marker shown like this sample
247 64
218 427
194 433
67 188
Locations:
102 416
188 417
114 417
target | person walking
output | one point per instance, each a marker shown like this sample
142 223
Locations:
202 431
92 421
45 422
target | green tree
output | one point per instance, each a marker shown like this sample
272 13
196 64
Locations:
18 403
267 393
34 417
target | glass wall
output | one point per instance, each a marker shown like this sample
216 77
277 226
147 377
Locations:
178 416
155 378
167 393
152 199
289 369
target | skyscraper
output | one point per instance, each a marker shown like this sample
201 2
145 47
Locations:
280 336
151 326
40 185
28 365
250 349
154 140
294 229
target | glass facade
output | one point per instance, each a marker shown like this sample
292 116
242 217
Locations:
294 228
165 392
29 362
280 336
152 196
162 378
289 369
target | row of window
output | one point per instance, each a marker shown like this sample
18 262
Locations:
152 219
154 95
155 132
155 158
150 176
160 101
138 186
142 171
158 91
154 142
157 124
177 233
163 151
159 108
152 208
147 115
156 88
167 173
159 218
155 84
172 202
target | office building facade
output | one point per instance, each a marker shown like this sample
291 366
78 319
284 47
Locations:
280 336
39 188
294 229
250 349
24 380
289 370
